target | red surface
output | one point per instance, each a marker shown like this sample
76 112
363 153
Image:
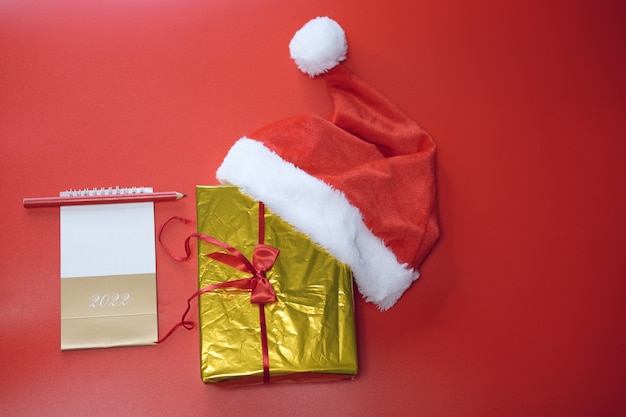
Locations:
520 308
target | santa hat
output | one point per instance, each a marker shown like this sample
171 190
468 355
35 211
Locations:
360 185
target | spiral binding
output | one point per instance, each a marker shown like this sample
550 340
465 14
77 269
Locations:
89 192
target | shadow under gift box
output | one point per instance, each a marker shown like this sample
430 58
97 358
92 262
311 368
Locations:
310 328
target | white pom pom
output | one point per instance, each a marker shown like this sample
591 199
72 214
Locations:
318 46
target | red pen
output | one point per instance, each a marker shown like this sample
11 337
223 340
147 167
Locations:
103 196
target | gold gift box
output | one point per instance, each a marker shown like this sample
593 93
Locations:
310 328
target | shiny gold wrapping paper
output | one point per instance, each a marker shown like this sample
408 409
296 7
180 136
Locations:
310 328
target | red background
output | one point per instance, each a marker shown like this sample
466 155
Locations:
519 311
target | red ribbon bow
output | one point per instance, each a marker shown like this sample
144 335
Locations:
263 260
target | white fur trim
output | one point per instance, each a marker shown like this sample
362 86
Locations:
318 46
322 213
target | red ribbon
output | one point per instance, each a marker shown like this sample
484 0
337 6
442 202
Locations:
263 258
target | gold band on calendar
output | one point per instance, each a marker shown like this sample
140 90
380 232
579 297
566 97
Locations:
108 311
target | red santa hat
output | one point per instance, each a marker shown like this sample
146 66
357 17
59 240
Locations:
361 184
